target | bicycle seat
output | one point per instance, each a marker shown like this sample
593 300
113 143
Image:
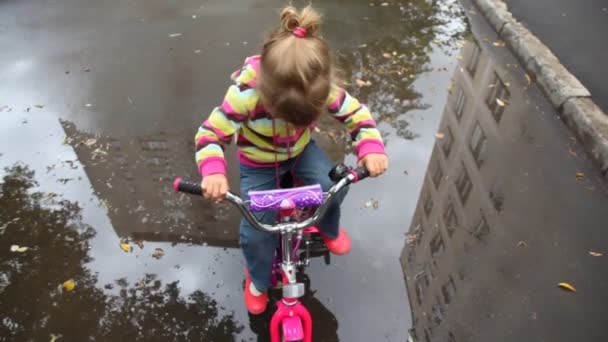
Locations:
282 199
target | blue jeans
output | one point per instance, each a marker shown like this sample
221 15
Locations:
311 167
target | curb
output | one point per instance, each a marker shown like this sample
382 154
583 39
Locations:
566 93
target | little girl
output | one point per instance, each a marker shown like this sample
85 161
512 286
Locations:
274 103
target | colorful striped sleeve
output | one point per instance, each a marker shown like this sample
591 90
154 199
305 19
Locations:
358 121
218 130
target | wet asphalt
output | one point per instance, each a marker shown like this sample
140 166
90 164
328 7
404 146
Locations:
98 105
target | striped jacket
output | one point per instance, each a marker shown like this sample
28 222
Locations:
261 142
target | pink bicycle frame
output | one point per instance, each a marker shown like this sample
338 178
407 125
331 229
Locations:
291 318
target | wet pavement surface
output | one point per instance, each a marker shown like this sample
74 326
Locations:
98 105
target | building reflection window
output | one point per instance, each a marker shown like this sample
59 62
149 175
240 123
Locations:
461 102
477 144
464 184
437 244
473 59
449 218
481 229
448 290
448 141
438 311
428 202
437 174
498 98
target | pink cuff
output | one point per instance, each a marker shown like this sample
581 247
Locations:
212 165
369 146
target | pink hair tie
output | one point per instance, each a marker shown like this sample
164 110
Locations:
300 32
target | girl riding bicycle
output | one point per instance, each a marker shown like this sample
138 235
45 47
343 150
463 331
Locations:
272 108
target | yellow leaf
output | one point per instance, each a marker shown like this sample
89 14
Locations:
55 337
567 286
580 176
440 135
69 285
125 247
595 254
436 41
528 79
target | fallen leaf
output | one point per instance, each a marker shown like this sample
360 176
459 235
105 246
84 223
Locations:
158 253
499 43
140 243
55 337
528 79
69 285
100 152
384 4
580 176
567 286
19 249
437 41
376 204
173 35
440 135
387 55
595 254
501 102
572 152
90 142
126 247
362 83
522 244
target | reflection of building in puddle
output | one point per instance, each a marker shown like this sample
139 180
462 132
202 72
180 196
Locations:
460 199
133 177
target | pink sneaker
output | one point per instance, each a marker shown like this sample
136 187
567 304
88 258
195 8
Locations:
340 245
255 304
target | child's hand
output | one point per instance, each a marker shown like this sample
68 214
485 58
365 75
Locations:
215 187
375 163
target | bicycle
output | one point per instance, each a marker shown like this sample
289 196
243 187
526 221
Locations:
291 321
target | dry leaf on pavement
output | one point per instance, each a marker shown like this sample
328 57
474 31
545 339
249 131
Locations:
501 103
580 176
19 249
69 285
362 83
158 253
595 254
567 286
90 142
126 247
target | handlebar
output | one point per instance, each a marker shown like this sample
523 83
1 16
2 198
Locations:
342 176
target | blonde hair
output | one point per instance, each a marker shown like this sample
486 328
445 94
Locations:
295 74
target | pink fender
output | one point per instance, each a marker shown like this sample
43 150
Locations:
296 321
